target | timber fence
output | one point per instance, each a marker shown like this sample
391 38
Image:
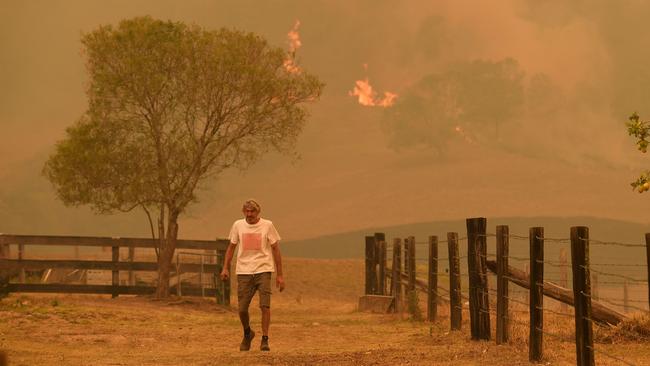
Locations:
591 288
194 273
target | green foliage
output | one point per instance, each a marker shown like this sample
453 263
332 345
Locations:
104 165
171 105
640 130
455 103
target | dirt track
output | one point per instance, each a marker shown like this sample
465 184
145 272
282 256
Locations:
311 325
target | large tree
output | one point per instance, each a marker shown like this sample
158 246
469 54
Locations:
469 99
169 107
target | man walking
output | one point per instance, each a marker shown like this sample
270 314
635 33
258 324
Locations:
257 257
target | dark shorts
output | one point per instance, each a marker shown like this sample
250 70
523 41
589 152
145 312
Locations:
248 284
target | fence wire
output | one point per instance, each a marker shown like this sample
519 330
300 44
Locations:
614 243
614 275
554 240
491 293
596 350
623 305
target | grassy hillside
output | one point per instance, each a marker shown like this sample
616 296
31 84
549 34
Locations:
351 244
629 261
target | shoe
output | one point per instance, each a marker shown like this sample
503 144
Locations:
264 346
246 341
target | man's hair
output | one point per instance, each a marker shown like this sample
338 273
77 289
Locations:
252 204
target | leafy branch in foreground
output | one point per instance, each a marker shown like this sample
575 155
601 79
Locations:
641 131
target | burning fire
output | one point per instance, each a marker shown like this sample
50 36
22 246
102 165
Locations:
368 97
462 133
294 44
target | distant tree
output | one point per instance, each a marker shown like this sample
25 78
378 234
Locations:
641 131
469 99
425 115
491 94
169 107
544 100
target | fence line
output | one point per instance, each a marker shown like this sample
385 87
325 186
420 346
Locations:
614 243
10 268
584 294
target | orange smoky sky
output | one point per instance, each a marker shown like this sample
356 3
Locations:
565 153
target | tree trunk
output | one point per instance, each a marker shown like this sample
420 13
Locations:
166 256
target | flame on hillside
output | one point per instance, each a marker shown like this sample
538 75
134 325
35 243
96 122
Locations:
368 97
294 43
462 133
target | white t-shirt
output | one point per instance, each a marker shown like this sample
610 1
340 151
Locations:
254 253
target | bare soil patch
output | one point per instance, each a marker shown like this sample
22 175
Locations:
314 322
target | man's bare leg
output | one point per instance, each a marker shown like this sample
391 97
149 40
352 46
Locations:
266 320
245 319
248 332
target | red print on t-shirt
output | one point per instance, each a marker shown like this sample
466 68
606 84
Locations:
252 241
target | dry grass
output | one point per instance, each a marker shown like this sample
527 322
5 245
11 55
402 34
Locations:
636 329
314 322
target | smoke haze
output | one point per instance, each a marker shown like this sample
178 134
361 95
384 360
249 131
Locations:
563 151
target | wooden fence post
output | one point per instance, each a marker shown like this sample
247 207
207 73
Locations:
535 341
201 275
131 272
411 294
503 241
564 278
179 290
384 267
4 274
626 298
380 263
218 283
432 298
4 247
396 275
647 257
582 295
479 306
412 265
371 273
21 256
406 265
455 305
115 273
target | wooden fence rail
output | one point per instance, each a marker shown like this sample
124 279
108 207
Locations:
11 267
587 309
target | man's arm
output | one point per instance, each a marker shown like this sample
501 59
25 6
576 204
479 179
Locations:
277 258
225 272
